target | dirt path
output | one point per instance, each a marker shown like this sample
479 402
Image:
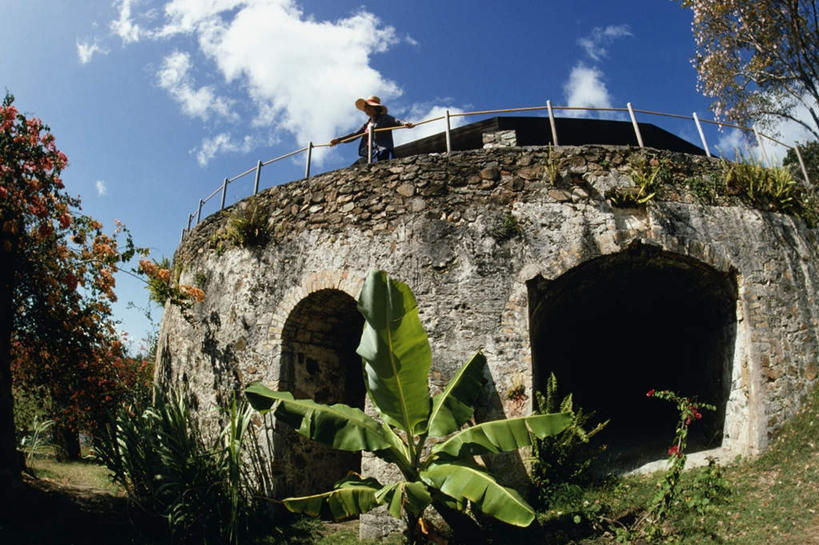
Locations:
47 513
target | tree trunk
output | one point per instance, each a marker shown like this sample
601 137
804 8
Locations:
10 480
68 441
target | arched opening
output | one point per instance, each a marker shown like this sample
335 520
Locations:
319 362
617 326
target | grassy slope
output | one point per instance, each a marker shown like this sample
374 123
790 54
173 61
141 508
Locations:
774 499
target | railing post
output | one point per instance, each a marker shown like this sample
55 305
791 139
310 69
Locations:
258 175
702 134
448 136
370 129
801 163
309 155
199 212
634 124
224 194
552 122
181 238
762 148
190 219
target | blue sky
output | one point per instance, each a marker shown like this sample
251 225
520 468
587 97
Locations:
155 102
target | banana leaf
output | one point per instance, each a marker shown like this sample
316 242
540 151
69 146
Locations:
340 426
396 353
502 435
351 496
453 407
464 480
412 496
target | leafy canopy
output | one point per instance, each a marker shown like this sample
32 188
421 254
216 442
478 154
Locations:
396 359
759 59
56 284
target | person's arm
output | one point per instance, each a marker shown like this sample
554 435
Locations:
349 137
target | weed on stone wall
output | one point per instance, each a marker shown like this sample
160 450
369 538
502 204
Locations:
706 189
507 227
246 227
648 177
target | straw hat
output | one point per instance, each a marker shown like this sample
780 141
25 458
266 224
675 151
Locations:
373 101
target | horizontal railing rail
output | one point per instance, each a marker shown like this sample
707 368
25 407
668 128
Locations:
549 108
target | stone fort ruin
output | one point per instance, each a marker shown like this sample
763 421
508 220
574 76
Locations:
516 250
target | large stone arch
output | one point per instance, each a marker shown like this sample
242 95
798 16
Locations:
318 361
618 325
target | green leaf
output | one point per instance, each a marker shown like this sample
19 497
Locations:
453 407
396 353
502 435
351 496
461 480
340 426
412 496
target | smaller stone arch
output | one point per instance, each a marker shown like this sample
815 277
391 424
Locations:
318 361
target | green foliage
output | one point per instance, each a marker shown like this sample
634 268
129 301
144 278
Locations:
708 488
563 462
208 490
507 227
246 227
706 189
396 359
651 524
648 177
31 443
31 405
810 156
765 188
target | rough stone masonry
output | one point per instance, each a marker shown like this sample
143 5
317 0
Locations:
520 253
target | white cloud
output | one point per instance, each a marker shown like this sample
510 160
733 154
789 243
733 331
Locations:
86 51
301 75
102 190
221 143
596 44
786 131
421 112
125 27
586 88
174 77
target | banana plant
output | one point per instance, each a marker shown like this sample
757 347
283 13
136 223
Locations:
423 436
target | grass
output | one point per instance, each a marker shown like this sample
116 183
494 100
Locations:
774 499
80 474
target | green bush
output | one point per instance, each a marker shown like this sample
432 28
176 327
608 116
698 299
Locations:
563 463
208 490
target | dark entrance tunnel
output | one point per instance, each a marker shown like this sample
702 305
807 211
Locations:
615 327
319 362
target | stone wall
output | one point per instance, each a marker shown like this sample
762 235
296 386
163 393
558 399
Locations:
495 243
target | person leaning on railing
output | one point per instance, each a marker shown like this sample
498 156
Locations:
383 147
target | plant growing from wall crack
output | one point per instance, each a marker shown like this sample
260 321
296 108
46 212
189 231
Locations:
396 358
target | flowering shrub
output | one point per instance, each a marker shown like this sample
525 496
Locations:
162 288
660 507
56 283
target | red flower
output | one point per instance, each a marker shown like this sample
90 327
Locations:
674 451
650 392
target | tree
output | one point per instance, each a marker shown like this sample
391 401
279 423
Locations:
443 472
56 286
758 59
810 156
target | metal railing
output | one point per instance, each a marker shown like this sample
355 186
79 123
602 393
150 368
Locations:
447 117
